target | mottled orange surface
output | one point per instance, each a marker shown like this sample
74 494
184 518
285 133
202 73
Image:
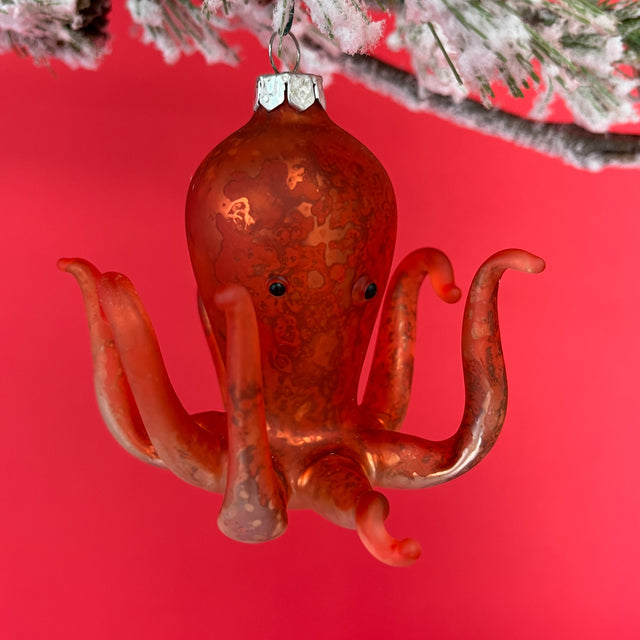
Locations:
291 226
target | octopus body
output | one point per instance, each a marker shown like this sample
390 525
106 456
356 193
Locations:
291 226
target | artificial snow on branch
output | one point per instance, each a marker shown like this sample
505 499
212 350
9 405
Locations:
570 48
584 52
73 31
573 144
177 26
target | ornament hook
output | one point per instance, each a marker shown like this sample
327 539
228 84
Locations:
295 42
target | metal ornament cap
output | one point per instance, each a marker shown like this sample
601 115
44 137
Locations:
300 90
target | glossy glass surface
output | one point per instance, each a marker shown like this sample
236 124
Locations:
291 226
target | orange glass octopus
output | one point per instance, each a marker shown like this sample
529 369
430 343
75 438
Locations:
291 226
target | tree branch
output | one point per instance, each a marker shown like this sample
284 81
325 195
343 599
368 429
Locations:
573 144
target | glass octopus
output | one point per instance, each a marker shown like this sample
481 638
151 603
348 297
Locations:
291 225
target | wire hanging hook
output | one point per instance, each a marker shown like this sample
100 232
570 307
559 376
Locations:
295 42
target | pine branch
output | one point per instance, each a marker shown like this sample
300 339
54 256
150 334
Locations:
569 142
585 51
178 27
576 49
72 31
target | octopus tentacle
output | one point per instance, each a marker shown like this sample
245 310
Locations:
336 487
218 361
254 508
371 512
188 450
113 393
386 395
405 461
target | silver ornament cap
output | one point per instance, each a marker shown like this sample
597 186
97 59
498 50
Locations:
300 90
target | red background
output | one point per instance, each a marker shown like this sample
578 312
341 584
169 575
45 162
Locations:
540 540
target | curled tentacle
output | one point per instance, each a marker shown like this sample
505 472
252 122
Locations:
371 512
188 450
387 393
482 359
336 487
254 508
113 393
404 461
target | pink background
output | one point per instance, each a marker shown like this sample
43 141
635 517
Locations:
540 540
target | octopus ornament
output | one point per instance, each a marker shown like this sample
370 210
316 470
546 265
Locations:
291 226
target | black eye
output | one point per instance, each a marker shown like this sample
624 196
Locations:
277 289
370 291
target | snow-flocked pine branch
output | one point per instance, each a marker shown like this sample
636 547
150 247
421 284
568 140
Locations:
573 144
584 52
74 31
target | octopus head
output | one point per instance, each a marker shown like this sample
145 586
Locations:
303 216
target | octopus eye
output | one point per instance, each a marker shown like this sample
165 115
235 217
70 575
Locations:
370 291
364 290
277 289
